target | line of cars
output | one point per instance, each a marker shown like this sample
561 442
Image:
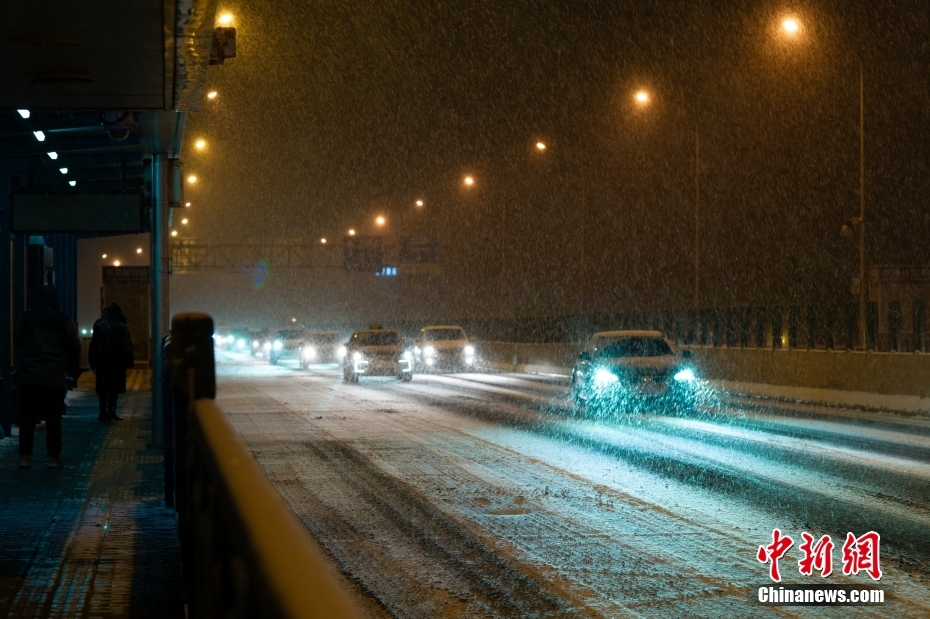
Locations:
374 351
615 370
384 352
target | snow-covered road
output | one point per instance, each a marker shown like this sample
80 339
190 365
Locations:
484 495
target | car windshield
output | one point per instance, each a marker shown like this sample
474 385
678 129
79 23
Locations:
291 334
378 338
636 347
439 335
324 338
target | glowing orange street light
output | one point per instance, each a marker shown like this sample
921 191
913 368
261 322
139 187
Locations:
104 256
192 179
211 95
419 202
642 97
174 233
540 146
200 144
323 241
116 263
790 25
469 181
351 232
225 19
139 250
380 220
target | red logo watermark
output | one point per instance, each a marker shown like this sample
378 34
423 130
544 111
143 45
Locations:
860 554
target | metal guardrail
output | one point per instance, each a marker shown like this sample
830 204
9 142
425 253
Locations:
243 551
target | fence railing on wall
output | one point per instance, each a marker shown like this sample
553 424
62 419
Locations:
896 326
892 328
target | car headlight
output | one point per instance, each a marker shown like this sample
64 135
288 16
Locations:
278 345
342 352
309 352
256 343
417 349
429 351
240 344
407 356
469 351
685 376
267 346
603 377
357 356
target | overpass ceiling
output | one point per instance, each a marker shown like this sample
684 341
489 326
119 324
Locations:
68 61
79 142
62 54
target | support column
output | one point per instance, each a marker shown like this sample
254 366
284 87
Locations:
159 254
6 323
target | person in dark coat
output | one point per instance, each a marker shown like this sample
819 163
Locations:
110 355
50 346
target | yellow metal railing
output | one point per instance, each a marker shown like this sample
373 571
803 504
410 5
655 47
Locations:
244 552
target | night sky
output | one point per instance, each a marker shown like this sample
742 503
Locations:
334 112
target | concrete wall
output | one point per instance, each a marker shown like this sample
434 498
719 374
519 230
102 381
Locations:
881 373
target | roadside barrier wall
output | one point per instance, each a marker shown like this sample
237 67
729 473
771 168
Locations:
870 372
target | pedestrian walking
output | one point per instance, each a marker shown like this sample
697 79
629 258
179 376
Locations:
50 346
110 355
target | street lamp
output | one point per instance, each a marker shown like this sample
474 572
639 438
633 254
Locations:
380 220
200 144
540 146
469 181
211 95
192 179
642 99
791 26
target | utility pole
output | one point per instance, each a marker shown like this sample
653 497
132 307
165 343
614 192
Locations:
697 218
159 271
862 282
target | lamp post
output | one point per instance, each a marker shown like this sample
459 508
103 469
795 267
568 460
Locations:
643 98
697 217
791 27
862 283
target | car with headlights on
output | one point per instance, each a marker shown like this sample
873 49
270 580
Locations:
620 370
322 347
444 347
285 344
257 345
377 352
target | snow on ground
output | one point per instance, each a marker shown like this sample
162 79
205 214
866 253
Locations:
484 494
